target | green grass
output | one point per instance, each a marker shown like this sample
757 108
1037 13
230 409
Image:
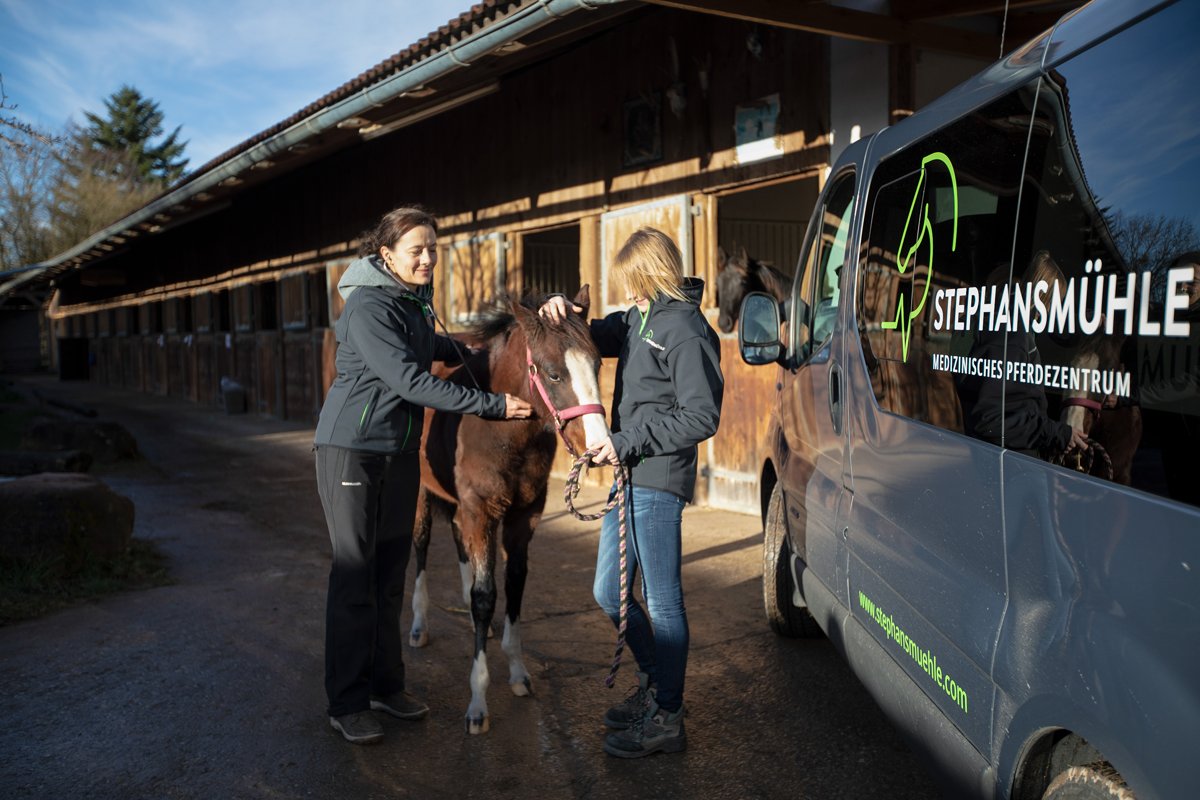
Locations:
30 589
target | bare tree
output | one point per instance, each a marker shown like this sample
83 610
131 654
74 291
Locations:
1151 242
29 167
15 132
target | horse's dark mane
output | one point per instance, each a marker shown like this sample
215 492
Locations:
493 322
499 320
772 280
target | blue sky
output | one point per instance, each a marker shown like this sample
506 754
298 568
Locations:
224 70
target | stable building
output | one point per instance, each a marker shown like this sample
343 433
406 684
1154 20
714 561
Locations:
541 133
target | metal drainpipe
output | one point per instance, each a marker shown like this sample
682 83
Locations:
444 61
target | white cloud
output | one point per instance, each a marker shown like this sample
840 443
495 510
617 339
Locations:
223 69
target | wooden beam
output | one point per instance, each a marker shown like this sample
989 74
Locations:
846 23
947 9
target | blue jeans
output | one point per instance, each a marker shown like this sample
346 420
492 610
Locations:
660 642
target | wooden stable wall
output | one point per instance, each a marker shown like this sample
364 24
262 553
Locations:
547 148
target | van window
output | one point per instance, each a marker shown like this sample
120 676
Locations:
939 228
816 302
1109 242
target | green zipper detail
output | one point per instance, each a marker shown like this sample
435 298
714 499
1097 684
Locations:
407 431
362 420
644 317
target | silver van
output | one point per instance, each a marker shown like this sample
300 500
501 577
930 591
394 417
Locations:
984 472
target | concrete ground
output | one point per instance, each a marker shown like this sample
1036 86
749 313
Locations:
212 687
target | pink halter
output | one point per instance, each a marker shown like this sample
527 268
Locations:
1088 403
561 418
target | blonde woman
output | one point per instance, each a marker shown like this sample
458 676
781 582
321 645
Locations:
667 400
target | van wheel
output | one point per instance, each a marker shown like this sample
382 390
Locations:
1091 782
783 617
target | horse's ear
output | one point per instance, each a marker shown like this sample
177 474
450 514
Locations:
583 299
722 258
743 256
527 318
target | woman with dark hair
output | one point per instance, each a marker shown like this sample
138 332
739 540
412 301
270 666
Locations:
367 444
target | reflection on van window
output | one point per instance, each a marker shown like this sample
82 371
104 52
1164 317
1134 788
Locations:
1067 328
1111 196
815 307
940 225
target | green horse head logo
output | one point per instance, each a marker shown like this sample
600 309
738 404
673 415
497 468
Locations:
907 258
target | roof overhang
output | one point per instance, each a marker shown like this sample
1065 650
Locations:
463 61
441 72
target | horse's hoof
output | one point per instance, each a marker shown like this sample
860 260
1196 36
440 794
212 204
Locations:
419 638
477 724
523 688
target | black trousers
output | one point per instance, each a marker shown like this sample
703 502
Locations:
370 504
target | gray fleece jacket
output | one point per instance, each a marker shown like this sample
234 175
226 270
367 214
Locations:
386 345
668 390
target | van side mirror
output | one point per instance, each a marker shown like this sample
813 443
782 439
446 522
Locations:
758 329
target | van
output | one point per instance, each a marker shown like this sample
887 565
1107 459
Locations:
983 480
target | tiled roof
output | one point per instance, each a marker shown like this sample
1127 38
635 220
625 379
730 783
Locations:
477 17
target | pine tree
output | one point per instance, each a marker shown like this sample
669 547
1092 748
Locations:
112 167
132 121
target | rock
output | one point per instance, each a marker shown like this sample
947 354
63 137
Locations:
105 441
63 514
24 462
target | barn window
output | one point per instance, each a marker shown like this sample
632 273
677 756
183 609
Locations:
170 316
767 221
150 318
126 320
318 299
268 306
183 307
293 293
243 308
202 312
550 261
476 274
222 312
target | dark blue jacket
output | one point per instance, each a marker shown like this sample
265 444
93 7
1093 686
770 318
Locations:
386 344
669 387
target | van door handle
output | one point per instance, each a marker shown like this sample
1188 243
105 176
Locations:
835 397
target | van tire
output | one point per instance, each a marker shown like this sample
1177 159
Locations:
783 617
1089 782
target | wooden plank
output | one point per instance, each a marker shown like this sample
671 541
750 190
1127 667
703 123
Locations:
846 23
298 376
268 375
589 259
947 9
737 452
669 216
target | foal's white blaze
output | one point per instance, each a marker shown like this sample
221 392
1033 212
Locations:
518 676
477 711
587 390
1076 416
419 637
